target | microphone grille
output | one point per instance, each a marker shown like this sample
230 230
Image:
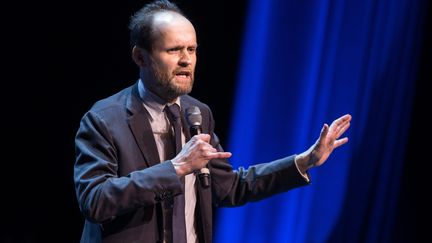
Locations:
193 116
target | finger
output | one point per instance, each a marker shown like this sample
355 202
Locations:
343 129
220 155
348 117
345 118
342 120
208 153
324 131
339 126
340 142
203 136
209 149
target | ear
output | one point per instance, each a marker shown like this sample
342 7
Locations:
139 56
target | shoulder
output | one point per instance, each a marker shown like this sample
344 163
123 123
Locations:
112 105
188 101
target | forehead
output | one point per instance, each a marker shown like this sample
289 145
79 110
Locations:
173 28
166 17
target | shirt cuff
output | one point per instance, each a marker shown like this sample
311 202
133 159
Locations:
305 175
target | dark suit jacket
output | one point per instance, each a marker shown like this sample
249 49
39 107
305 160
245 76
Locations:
120 181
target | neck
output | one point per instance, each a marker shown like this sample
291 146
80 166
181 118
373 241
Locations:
158 96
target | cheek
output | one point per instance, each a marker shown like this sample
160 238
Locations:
168 65
162 69
193 63
164 61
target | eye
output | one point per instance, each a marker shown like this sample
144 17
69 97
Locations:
191 50
174 50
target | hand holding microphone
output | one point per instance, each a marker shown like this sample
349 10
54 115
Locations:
197 152
194 119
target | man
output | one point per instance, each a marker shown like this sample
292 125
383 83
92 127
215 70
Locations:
130 183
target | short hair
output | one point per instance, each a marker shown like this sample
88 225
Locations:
141 23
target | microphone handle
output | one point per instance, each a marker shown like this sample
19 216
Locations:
195 130
204 177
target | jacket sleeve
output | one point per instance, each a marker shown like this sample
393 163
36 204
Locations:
236 187
102 194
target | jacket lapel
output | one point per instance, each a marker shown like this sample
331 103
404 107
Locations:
141 129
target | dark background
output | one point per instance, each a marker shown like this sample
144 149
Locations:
60 57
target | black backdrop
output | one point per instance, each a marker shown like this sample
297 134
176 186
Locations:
60 57
63 56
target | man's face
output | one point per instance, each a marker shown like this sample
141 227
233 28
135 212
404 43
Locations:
173 57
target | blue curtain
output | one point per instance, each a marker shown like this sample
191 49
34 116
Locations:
305 63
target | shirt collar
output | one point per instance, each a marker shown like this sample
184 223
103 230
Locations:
151 100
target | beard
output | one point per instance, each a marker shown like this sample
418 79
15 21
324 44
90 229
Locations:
165 84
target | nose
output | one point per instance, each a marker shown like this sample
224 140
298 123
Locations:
185 59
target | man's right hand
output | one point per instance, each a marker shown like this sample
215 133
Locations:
195 155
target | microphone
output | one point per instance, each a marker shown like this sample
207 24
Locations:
194 119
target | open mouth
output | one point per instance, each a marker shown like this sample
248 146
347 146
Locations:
183 74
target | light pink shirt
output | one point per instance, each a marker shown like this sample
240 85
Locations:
161 130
